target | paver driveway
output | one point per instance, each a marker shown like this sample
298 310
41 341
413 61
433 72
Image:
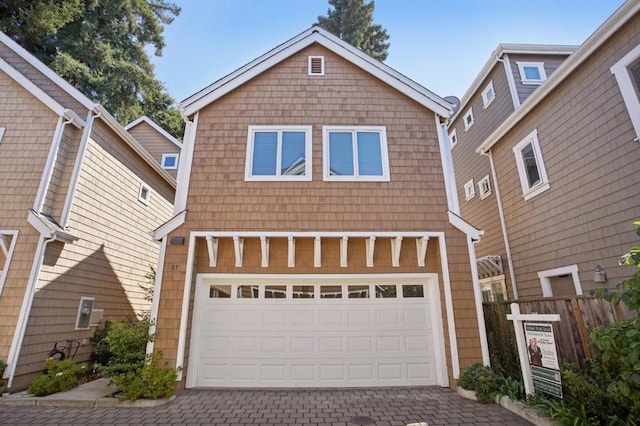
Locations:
343 407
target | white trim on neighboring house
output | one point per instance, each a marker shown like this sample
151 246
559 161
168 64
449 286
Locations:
464 226
530 190
469 190
170 225
627 88
166 156
184 165
8 254
523 74
39 94
484 187
486 100
144 194
467 119
2 129
156 127
565 70
511 81
315 34
545 281
448 171
453 139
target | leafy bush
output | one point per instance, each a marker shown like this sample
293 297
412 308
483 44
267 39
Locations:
101 353
513 388
3 366
60 376
151 381
482 380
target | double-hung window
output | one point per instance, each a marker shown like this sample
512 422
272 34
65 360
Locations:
627 73
355 153
533 176
278 153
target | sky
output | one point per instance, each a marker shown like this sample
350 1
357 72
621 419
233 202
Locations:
440 44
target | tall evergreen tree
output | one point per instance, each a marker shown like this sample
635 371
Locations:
352 21
99 47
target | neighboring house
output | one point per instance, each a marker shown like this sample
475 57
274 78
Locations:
316 241
79 197
164 148
554 183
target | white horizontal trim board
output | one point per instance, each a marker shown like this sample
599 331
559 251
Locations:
325 342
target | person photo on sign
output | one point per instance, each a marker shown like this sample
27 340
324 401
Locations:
535 353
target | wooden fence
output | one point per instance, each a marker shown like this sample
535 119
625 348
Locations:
577 315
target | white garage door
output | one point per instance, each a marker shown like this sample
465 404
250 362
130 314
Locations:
315 332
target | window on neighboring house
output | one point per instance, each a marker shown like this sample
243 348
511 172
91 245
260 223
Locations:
484 187
278 153
453 139
1 133
533 176
316 65
7 245
488 95
532 72
355 153
627 73
170 161
145 194
468 119
469 190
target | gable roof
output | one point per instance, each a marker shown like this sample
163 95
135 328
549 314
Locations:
156 127
315 34
624 13
508 49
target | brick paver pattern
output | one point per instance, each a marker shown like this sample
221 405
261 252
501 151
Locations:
335 407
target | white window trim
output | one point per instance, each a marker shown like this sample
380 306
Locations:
627 89
453 139
307 147
528 193
383 150
310 60
142 199
469 113
545 281
485 100
484 195
8 255
165 156
1 133
82 299
539 65
469 190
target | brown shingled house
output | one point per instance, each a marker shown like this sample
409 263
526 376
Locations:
316 240
546 158
164 148
79 197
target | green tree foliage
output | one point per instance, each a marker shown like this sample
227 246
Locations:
352 21
99 46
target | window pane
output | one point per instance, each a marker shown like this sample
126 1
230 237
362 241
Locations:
340 154
220 291
293 154
412 290
331 292
170 162
264 153
358 292
532 73
530 165
386 291
369 154
275 292
247 292
303 292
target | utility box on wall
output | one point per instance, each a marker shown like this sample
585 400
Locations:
84 313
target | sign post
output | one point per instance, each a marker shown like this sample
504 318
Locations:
541 377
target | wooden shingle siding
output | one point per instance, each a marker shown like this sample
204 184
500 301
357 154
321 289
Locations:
155 143
112 256
551 62
219 198
586 139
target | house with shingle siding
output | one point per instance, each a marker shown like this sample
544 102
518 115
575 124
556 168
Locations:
560 163
79 197
316 238
164 148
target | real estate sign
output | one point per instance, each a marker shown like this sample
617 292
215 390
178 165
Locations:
543 358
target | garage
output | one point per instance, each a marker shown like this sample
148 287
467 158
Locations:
316 331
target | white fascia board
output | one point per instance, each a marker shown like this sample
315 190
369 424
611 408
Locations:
113 124
565 70
316 35
170 225
156 127
464 226
55 78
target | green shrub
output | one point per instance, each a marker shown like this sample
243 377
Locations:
513 388
482 380
101 353
60 376
3 366
151 381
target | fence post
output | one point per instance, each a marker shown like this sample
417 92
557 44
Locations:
581 328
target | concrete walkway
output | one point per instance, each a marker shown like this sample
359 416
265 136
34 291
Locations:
332 407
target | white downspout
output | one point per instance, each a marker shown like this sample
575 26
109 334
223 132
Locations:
503 223
510 81
25 311
477 293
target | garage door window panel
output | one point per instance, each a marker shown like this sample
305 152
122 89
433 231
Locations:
220 292
303 292
331 292
386 292
358 292
275 292
412 290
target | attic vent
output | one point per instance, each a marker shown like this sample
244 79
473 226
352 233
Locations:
316 65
